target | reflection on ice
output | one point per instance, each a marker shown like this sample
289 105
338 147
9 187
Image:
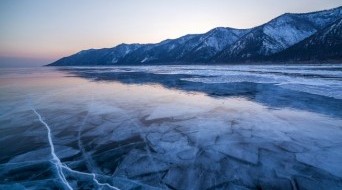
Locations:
275 86
125 130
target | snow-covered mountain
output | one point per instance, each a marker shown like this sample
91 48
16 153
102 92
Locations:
211 43
323 45
278 35
189 48
220 44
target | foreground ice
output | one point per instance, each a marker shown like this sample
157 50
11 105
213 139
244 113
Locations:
180 127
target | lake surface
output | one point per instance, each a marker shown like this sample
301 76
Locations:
171 127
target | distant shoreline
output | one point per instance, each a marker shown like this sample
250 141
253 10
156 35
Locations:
289 63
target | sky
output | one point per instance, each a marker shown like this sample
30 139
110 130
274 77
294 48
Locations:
41 31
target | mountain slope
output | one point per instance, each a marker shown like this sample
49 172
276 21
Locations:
189 48
212 43
183 49
278 35
106 56
165 51
324 45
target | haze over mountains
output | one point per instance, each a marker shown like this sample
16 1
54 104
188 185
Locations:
312 36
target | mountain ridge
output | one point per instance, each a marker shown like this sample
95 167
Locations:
219 45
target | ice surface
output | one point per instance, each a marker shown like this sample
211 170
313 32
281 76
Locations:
323 159
174 127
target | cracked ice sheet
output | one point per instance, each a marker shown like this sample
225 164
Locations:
323 159
219 143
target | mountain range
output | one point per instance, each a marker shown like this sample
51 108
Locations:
315 36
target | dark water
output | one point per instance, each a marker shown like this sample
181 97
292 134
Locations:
171 127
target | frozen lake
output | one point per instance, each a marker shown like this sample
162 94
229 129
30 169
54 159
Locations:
171 127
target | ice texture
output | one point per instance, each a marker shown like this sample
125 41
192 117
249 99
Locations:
171 127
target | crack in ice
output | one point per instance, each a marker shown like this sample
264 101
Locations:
153 164
55 160
93 175
87 158
60 166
